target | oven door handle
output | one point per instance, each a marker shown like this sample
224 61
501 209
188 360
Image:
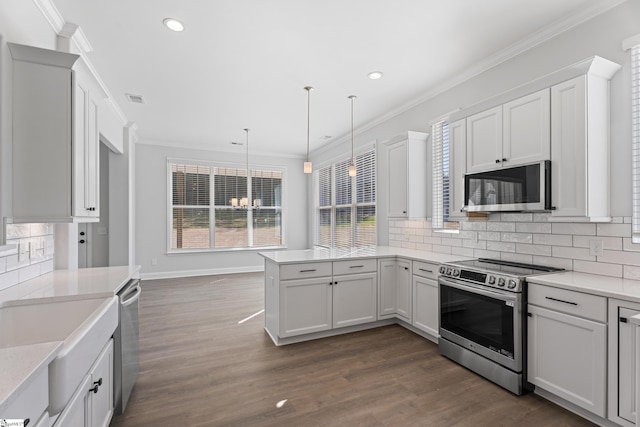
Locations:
503 296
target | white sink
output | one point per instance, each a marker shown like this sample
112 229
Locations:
84 326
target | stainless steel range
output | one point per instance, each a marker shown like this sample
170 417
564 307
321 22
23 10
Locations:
483 320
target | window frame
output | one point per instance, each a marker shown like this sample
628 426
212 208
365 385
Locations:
333 206
212 206
439 222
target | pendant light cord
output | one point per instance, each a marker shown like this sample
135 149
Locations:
247 131
352 98
308 89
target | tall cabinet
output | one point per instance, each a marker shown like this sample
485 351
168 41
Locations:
55 132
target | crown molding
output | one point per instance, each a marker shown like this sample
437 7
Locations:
51 14
191 146
535 39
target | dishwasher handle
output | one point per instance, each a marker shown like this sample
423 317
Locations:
131 295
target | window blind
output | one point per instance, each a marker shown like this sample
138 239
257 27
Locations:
323 226
365 230
635 142
437 217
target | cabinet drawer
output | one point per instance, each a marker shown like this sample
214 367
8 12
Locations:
354 266
304 270
425 269
577 303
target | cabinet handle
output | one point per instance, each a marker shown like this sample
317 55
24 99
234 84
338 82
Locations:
82 241
497 160
404 212
406 268
623 320
94 389
26 422
99 382
335 283
356 266
307 271
562 301
504 159
426 271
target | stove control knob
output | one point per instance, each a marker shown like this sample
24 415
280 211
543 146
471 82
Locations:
512 284
448 271
492 280
501 281
456 272
442 269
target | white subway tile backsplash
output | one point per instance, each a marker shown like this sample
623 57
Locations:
469 235
451 242
626 219
628 245
3 265
620 257
614 243
614 230
474 225
501 246
432 240
17 231
480 253
526 259
29 272
13 263
408 245
614 270
442 249
47 266
501 226
424 247
32 253
631 272
38 230
617 220
571 228
525 248
553 239
541 217
574 253
565 263
489 235
481 244
533 227
462 252
517 217
517 237
9 279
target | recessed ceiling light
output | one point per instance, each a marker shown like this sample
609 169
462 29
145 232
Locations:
173 24
375 75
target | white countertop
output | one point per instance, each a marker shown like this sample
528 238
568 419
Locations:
19 364
610 287
337 254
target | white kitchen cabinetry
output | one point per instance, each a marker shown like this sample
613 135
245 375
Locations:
426 311
622 362
315 297
580 145
407 175
511 134
33 401
457 168
394 291
567 345
92 403
55 132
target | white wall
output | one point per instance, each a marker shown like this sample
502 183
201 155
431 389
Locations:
600 36
151 213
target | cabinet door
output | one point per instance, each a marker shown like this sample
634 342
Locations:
567 357
426 305
403 290
354 299
305 306
568 148
457 167
484 140
387 286
92 160
627 366
102 400
527 129
76 413
80 135
397 185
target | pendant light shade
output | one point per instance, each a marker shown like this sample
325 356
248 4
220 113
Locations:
352 165
308 167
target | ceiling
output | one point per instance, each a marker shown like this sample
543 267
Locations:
244 63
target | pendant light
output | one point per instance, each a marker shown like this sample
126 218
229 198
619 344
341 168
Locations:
308 167
352 165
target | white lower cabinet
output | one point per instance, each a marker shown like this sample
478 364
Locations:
395 296
92 403
426 308
567 354
32 402
317 304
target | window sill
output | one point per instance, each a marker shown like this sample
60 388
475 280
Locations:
218 250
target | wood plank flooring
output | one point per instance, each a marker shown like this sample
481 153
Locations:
200 367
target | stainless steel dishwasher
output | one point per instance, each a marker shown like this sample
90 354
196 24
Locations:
126 345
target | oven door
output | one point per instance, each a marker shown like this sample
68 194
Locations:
483 320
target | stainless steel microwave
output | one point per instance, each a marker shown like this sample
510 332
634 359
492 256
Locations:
519 188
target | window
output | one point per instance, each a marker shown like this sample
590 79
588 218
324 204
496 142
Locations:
346 206
441 191
634 46
216 207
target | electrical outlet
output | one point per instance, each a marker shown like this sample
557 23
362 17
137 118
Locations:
154 261
595 247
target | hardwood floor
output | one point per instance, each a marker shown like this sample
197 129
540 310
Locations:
200 367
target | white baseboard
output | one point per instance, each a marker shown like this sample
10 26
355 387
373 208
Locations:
206 272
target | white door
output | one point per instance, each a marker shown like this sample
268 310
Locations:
397 183
354 299
387 286
484 140
426 305
305 306
627 366
403 290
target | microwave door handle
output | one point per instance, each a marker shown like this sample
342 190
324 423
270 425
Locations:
476 290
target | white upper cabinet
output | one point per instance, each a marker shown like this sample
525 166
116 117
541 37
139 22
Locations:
407 175
515 133
457 167
55 137
580 170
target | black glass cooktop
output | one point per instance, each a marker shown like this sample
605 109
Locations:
506 267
